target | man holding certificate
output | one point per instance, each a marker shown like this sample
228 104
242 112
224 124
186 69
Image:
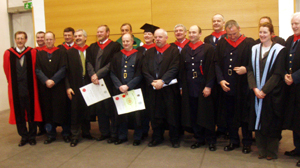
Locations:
160 66
126 75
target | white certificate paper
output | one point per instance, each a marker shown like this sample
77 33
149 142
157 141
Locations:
174 81
92 93
131 102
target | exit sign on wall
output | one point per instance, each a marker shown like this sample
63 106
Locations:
28 5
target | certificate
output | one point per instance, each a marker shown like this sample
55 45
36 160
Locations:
174 81
92 93
131 102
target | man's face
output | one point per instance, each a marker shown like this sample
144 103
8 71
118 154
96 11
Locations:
49 40
218 23
69 37
160 38
125 29
264 20
20 41
233 33
127 42
296 25
40 39
180 34
80 39
102 34
148 37
194 34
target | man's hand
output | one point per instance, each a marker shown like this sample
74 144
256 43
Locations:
50 83
206 91
240 70
288 79
224 84
158 84
70 92
123 88
94 79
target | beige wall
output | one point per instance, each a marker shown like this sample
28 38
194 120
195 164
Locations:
165 14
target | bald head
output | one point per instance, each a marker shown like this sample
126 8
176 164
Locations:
161 37
218 23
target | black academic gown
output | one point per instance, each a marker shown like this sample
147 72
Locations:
53 100
210 40
272 108
75 80
116 69
241 86
292 106
275 39
205 115
101 66
163 103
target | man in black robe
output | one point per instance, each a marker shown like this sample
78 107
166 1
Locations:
127 28
180 35
197 79
292 79
69 39
232 58
51 71
161 66
77 77
98 60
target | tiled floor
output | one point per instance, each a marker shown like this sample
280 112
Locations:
101 154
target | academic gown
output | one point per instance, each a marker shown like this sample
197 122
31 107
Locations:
272 108
186 41
205 115
292 106
116 69
101 66
53 101
74 80
169 68
241 96
275 39
9 66
210 40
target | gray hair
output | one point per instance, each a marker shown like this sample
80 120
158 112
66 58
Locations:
83 32
180 25
231 23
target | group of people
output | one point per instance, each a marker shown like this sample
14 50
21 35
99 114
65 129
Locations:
226 82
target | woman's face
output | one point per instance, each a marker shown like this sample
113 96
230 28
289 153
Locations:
264 34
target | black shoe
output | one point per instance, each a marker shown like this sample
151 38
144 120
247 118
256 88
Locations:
32 142
154 143
144 136
231 146
22 143
67 139
246 149
212 147
176 144
40 133
88 136
112 140
101 138
197 145
136 142
119 141
291 153
49 140
298 164
74 142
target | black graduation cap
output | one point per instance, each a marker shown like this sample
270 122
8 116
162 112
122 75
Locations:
149 28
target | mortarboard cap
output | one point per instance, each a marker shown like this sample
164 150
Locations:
149 28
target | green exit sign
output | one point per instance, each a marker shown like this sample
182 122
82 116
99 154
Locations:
28 5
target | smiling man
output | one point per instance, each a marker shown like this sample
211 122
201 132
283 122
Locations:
232 58
69 38
218 23
127 28
40 40
180 35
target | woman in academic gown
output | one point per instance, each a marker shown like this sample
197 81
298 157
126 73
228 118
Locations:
265 78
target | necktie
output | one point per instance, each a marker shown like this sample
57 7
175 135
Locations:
82 62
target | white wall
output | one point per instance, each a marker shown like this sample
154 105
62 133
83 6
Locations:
4 44
39 15
15 3
285 9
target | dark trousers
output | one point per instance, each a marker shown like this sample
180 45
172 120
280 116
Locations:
21 121
123 131
41 126
145 125
296 138
201 133
159 130
266 146
51 130
232 129
107 125
83 126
